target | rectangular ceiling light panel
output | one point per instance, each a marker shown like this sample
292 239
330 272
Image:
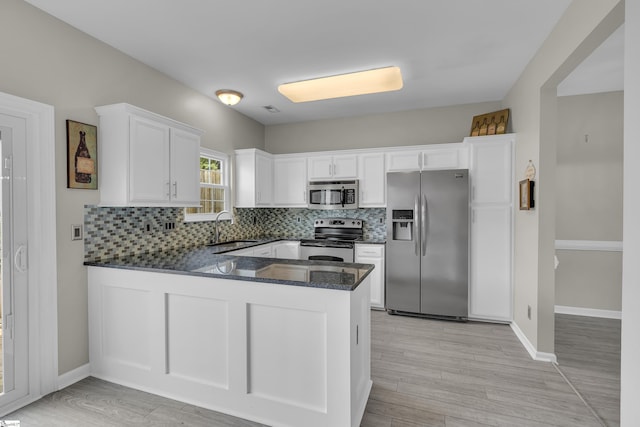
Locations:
359 83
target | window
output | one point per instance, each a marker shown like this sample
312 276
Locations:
214 186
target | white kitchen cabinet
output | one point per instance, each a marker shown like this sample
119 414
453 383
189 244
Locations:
263 251
434 157
339 166
373 254
491 160
286 250
253 178
491 291
147 159
372 177
290 181
492 205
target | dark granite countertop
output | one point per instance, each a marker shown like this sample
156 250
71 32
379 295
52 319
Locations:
210 261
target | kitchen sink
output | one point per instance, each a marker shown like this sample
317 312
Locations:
232 243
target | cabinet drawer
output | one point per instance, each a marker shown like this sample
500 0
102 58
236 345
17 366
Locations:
369 251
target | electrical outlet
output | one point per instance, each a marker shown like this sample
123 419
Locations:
76 232
146 227
529 312
297 219
381 220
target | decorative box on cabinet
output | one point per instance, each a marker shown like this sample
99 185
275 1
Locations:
290 181
333 167
373 254
253 178
147 159
492 204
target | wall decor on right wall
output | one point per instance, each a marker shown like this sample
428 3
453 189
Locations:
526 194
490 123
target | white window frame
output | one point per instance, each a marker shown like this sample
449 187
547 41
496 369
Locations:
224 162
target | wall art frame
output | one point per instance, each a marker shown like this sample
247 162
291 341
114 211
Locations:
526 194
82 156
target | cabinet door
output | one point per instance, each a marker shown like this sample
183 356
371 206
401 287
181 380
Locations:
490 290
373 254
287 250
345 166
149 161
405 160
491 171
185 167
372 180
263 251
264 180
320 167
440 159
290 182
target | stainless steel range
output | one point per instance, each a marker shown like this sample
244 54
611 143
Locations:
334 240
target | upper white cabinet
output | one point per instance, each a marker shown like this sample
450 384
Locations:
253 178
290 181
492 204
147 159
438 156
333 167
491 160
372 176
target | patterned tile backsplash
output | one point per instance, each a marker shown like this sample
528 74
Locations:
112 232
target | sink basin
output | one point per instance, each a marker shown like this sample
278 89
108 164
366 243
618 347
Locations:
232 243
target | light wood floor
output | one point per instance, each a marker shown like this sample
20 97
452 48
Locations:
425 373
588 351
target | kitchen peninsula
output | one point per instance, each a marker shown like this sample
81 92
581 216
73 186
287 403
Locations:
282 342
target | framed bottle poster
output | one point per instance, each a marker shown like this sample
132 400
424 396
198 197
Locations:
82 155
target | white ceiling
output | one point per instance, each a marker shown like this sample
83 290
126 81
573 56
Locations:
450 51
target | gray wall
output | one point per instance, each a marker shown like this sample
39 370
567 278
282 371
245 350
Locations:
48 61
416 127
589 179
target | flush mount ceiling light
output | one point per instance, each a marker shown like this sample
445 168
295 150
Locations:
359 83
228 96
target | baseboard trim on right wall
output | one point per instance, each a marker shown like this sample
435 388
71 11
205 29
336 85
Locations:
589 312
535 354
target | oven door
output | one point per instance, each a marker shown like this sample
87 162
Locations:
326 253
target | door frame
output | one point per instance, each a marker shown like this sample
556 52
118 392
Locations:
41 246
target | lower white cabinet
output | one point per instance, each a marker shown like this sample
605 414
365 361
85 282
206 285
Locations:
263 251
490 276
373 254
286 250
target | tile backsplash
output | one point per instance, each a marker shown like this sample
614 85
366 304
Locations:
112 232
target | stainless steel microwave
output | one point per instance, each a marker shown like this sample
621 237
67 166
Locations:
333 194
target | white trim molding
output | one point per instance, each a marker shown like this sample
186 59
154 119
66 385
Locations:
73 376
589 245
535 354
589 312
41 219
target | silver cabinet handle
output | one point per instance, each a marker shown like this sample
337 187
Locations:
175 189
168 184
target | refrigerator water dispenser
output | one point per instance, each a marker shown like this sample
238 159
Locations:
402 220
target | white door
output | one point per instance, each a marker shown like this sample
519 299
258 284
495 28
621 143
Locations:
13 282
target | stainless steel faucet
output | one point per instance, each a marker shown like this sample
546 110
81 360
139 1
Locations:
216 235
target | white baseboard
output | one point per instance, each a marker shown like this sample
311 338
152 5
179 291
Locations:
535 354
73 376
589 312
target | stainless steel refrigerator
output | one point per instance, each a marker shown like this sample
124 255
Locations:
428 243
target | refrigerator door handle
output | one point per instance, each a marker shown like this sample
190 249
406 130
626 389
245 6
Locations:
417 224
423 225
